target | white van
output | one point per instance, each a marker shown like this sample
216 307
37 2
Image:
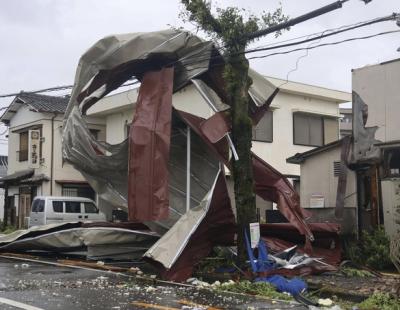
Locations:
50 209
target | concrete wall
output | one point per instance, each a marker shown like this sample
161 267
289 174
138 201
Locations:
378 86
317 177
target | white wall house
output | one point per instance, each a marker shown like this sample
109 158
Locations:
35 165
319 169
301 118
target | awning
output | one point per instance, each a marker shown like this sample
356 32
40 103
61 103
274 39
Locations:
16 177
36 179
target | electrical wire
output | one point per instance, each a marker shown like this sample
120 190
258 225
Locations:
56 88
356 26
193 59
326 44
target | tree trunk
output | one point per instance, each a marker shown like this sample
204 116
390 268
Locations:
238 83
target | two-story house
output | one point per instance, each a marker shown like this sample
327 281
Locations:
300 118
35 164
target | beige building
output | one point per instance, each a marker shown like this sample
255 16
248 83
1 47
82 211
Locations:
35 164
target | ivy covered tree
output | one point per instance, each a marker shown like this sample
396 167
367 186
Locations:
233 29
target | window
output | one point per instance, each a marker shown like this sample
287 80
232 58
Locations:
58 206
95 133
90 208
72 207
38 205
391 162
264 129
314 130
23 146
78 190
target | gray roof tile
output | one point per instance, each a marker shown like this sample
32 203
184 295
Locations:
44 103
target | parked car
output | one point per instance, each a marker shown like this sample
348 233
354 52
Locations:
50 209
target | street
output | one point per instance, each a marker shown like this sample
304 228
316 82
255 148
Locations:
38 286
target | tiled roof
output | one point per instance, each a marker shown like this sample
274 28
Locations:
44 103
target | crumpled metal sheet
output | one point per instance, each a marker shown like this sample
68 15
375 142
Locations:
111 62
193 236
363 148
103 68
94 239
149 140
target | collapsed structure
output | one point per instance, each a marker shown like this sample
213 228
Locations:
147 172
169 173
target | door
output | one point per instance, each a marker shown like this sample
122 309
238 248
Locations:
73 212
91 212
24 210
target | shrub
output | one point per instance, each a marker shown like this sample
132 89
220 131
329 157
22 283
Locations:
372 250
380 301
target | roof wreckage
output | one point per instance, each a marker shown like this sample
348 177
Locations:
184 205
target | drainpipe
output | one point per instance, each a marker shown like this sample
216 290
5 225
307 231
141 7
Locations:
52 154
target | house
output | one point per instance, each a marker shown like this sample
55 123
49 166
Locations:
320 170
301 117
35 164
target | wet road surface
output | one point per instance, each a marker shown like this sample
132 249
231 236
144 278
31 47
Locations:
37 286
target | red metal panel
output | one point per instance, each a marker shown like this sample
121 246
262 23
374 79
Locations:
149 143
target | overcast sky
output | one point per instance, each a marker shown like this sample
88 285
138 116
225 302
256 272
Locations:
42 40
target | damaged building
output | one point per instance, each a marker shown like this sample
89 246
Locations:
369 189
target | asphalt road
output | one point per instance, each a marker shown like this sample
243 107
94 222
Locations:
37 286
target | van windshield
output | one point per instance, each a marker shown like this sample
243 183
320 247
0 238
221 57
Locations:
38 205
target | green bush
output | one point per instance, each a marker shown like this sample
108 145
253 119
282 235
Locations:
257 288
372 250
380 301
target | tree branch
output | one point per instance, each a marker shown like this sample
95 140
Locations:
200 12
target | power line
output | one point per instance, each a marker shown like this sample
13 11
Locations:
310 48
198 58
51 89
394 16
326 44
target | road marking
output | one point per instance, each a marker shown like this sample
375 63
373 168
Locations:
153 306
196 305
18 304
